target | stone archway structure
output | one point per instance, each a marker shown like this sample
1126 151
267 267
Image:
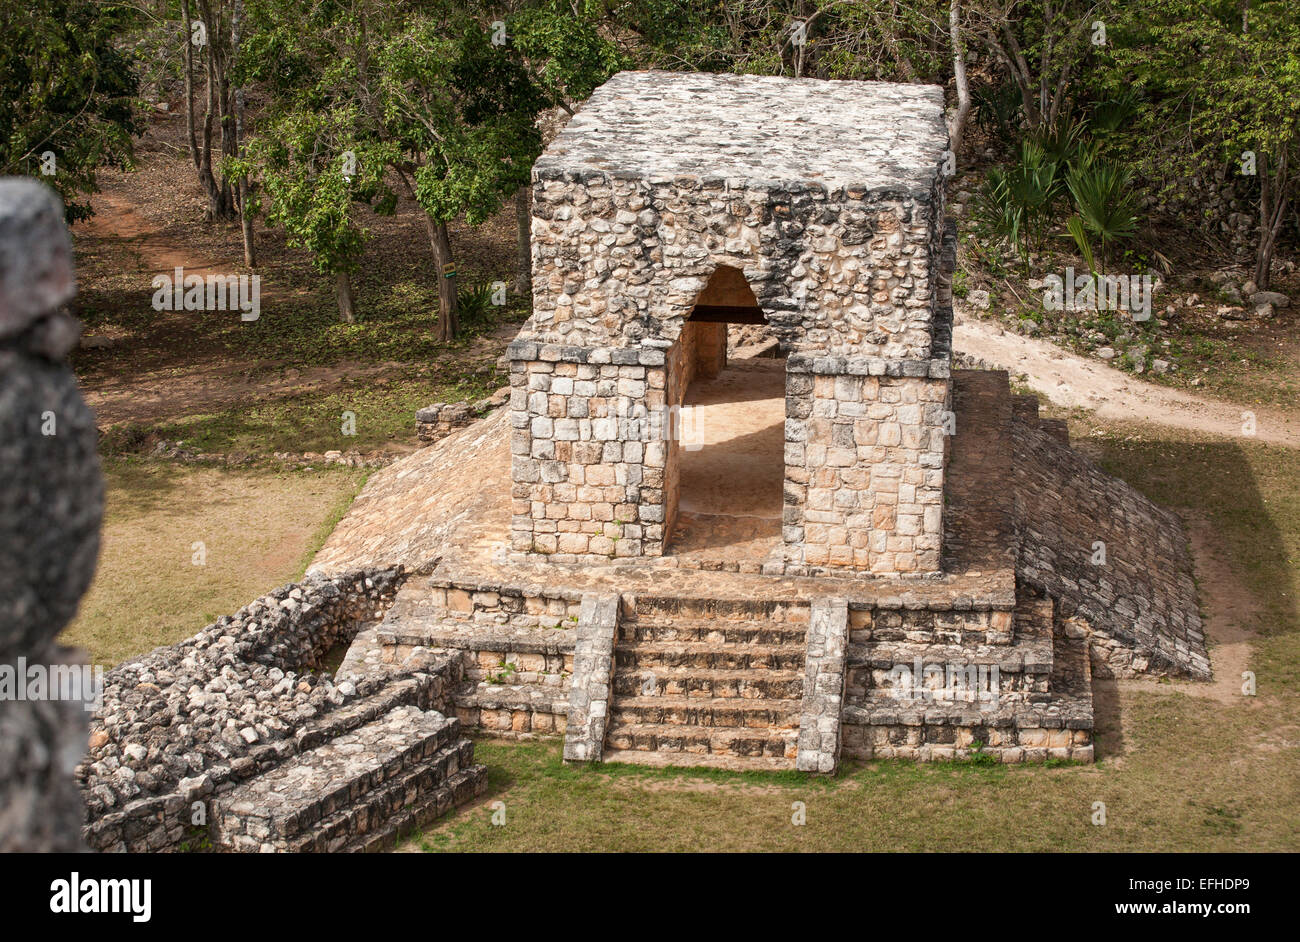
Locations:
670 198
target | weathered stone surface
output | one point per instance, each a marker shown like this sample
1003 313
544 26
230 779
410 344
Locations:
1140 599
590 691
35 257
242 710
834 237
51 503
823 687
761 128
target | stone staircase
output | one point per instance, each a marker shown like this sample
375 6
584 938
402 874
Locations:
1028 700
356 778
707 683
514 666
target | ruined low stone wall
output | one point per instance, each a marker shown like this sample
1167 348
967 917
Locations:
864 455
434 423
189 721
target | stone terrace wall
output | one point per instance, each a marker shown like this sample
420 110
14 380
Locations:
191 720
1141 603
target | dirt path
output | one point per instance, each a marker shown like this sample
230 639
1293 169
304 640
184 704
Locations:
116 221
1230 608
1071 381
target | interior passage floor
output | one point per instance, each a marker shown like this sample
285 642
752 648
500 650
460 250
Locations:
732 460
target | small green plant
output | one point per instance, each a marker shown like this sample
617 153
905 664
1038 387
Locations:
1018 202
197 841
1105 206
474 304
960 285
504 674
978 757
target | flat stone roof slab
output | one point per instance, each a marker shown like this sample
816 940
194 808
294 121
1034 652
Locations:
751 129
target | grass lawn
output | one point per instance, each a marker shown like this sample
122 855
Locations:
384 409
259 529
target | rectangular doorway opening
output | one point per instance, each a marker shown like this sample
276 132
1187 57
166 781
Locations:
726 464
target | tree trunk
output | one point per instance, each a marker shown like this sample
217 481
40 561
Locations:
440 243
188 59
524 246
346 299
448 317
958 128
245 212
1273 200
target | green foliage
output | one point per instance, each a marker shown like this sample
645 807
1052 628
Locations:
568 52
462 111
997 109
66 89
1018 202
474 304
1114 112
305 157
1106 208
503 675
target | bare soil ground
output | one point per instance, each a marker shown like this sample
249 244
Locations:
1071 381
142 366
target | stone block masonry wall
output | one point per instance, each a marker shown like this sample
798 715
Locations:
593 668
823 687
51 503
864 454
587 460
621 261
833 229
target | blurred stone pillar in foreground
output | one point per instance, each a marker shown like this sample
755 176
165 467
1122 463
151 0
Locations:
51 504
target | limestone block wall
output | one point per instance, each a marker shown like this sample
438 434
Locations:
843 271
588 462
864 456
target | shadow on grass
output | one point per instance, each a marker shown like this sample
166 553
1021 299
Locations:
1247 492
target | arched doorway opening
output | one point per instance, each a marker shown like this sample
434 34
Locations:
727 465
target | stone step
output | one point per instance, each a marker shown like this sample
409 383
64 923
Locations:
691 742
389 695
411 801
513 710
1025 408
365 774
708 684
1023 667
721 712
1056 724
771 611
665 628
653 655
695 760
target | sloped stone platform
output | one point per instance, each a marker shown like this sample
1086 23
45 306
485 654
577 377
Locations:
704 674
1141 602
